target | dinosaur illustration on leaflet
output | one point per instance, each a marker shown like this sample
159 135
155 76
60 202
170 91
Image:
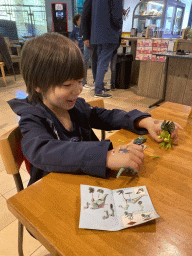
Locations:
99 203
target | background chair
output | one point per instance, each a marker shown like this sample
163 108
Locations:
14 58
12 156
5 58
2 64
100 104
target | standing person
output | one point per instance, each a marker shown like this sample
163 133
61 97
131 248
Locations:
113 66
106 26
86 33
75 34
90 51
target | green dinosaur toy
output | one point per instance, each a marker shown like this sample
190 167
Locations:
167 127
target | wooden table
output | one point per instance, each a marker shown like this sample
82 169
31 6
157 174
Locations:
50 208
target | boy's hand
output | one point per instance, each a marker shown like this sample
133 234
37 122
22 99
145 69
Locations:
86 42
154 128
133 158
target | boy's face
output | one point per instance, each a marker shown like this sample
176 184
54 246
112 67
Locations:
79 22
62 98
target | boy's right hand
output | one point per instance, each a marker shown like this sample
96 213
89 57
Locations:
86 42
134 158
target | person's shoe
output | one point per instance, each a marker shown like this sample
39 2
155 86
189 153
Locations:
102 95
104 83
86 86
106 90
112 87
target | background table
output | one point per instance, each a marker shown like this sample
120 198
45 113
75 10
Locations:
50 208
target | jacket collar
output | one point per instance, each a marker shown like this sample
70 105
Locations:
23 107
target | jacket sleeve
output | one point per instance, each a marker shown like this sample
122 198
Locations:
117 13
47 153
72 35
101 118
86 20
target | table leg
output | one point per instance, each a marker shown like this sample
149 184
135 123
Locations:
164 86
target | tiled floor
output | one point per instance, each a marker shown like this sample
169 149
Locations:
122 99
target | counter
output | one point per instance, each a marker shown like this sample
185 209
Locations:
178 86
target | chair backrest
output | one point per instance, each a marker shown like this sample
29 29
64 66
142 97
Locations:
11 45
100 104
10 150
96 103
8 45
5 53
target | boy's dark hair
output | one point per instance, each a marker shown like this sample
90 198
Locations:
49 60
76 18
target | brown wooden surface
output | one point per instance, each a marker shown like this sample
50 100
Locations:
144 76
2 64
135 72
151 79
179 81
50 208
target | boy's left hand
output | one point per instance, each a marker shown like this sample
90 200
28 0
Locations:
154 128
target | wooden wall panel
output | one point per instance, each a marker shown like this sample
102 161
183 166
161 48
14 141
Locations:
179 82
170 77
135 72
151 79
156 80
144 76
162 77
187 98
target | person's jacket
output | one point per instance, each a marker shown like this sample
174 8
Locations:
48 146
106 21
75 36
86 20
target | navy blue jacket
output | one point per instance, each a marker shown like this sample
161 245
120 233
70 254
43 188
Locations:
107 21
49 147
86 20
75 36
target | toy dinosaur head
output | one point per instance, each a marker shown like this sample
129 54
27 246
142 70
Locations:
168 126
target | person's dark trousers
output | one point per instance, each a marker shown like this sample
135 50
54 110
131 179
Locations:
89 51
82 51
104 55
113 69
94 61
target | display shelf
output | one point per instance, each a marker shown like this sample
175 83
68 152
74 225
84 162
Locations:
164 15
148 16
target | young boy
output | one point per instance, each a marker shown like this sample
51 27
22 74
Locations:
75 34
56 124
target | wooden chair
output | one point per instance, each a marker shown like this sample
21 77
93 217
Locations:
14 58
5 58
12 156
100 104
2 64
